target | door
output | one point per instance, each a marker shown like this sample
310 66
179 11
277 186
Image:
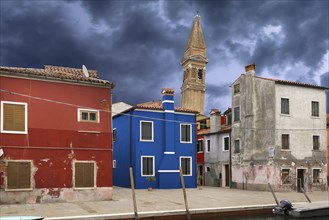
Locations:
227 175
300 179
200 177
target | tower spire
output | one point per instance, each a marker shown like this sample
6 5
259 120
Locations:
194 65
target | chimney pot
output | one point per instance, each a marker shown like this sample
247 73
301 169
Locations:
250 67
167 91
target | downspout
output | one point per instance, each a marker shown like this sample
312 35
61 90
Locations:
230 159
130 137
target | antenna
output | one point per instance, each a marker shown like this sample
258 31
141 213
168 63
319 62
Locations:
85 71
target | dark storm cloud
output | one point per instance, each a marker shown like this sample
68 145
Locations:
138 44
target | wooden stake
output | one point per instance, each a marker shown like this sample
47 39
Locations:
184 193
132 185
308 199
276 200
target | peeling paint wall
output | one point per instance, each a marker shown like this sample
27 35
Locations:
260 128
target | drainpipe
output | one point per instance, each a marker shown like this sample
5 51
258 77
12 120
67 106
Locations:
130 137
230 159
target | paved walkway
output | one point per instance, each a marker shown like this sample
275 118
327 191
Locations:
160 202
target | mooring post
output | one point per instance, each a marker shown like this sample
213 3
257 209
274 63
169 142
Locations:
132 184
276 200
303 191
184 193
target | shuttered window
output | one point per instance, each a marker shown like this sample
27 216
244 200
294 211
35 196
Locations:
186 164
19 175
14 117
84 174
315 108
316 142
285 141
284 106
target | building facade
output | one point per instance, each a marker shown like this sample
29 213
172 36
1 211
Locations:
194 68
55 136
217 153
155 139
278 134
203 128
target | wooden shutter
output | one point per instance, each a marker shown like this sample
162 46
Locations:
84 175
13 117
19 175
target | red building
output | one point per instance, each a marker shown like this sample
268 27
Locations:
203 128
55 135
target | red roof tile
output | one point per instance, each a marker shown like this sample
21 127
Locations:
157 105
279 81
57 72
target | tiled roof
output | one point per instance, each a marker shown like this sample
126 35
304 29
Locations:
157 105
57 72
279 81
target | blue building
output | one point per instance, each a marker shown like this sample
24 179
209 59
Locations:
155 139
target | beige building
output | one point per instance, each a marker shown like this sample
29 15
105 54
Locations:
278 134
194 65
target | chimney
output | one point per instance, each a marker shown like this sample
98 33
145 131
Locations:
250 69
215 122
168 99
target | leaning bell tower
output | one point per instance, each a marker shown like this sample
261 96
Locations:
194 67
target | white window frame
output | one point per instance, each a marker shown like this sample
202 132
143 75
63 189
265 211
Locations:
114 164
206 168
2 125
180 132
114 130
153 158
180 165
80 110
95 174
228 142
140 131
31 177
208 145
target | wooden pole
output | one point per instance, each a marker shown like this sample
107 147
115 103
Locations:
132 185
308 199
184 193
276 200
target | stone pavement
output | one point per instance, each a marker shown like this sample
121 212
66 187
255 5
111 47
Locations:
160 203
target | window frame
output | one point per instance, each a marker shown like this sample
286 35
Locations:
74 174
197 147
289 175
234 115
236 88
180 131
282 147
114 135
180 165
25 117
31 176
200 74
318 142
315 111
88 111
224 137
237 141
208 145
319 182
141 131
284 105
153 166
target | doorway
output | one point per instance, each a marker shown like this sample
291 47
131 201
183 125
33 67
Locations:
227 175
300 179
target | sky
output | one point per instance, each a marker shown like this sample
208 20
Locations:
138 45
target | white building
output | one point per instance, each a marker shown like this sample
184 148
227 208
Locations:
278 134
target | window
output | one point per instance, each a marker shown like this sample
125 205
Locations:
236 146
147 166
316 142
285 141
146 130
229 119
14 117
315 109
199 146
236 88
84 174
237 114
114 164
19 175
284 106
88 115
316 175
203 124
285 176
114 135
185 133
207 168
186 164
226 143
200 74
208 145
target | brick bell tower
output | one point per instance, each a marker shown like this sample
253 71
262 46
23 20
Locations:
194 66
